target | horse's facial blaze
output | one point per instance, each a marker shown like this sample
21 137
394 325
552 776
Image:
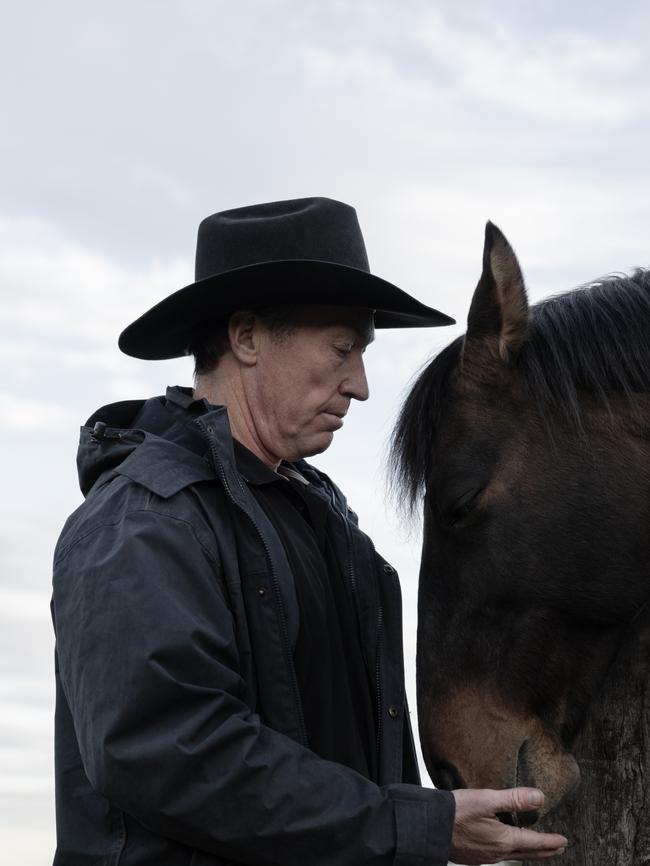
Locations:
470 738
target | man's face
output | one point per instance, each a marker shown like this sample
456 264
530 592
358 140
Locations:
304 381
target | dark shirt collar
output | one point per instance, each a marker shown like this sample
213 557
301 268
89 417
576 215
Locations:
255 471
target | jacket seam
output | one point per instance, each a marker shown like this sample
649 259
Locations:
208 553
120 842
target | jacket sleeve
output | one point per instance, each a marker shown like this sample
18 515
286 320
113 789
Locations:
149 666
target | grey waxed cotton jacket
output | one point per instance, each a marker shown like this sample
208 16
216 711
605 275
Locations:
175 615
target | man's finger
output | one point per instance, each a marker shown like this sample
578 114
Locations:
517 800
530 841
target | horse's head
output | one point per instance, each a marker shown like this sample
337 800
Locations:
529 440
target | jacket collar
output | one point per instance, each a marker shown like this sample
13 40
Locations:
154 443
180 395
250 467
164 467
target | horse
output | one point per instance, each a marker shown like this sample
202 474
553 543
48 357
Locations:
527 443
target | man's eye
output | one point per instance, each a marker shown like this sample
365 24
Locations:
344 349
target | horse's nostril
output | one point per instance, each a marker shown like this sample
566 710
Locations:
446 776
566 735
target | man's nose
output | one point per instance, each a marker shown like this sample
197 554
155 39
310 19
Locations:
355 385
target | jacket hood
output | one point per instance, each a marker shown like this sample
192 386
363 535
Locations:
152 441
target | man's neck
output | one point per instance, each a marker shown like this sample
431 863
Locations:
222 392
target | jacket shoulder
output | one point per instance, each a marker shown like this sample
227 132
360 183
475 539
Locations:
161 466
132 490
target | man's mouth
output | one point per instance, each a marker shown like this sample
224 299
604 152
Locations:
336 418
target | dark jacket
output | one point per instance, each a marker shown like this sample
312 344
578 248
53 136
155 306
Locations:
179 730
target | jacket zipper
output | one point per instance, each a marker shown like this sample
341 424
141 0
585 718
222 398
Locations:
276 593
348 537
380 621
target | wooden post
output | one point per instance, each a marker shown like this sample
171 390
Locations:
607 820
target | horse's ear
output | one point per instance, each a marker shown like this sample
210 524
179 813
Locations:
497 323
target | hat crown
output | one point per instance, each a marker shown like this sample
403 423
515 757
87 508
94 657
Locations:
311 229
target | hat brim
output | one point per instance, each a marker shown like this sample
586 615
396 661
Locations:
165 331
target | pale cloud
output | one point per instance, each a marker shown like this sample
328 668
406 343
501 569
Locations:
19 350
560 76
21 413
54 287
23 783
100 357
27 688
16 604
440 61
128 385
28 718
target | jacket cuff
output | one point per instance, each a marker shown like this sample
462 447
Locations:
424 820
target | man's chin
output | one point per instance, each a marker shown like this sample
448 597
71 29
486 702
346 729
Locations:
316 445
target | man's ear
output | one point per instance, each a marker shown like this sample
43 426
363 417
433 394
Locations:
243 333
497 324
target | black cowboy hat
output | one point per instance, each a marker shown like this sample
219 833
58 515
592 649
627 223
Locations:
302 251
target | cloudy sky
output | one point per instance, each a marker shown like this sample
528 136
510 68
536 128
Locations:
125 123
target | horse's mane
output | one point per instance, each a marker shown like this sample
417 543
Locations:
595 339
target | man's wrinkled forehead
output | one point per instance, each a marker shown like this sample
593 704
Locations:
359 319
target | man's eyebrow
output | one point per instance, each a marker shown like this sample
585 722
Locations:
366 336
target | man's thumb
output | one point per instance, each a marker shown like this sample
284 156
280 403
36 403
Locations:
519 800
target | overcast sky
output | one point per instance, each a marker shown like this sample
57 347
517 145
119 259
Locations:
125 123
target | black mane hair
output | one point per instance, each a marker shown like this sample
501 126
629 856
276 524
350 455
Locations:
594 339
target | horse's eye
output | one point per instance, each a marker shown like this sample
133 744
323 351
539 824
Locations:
460 510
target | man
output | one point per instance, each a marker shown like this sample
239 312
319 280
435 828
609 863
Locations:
230 678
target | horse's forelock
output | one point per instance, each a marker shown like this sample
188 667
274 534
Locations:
411 440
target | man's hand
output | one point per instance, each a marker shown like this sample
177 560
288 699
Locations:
479 837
